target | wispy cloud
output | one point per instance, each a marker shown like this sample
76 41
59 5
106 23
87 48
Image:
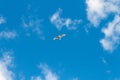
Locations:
97 10
32 25
48 74
104 61
8 34
21 76
36 78
112 35
5 64
75 78
2 20
117 78
60 22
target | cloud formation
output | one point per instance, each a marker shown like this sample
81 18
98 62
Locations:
112 35
48 74
8 34
2 20
32 25
60 22
97 10
5 64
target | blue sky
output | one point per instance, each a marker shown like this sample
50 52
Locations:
89 51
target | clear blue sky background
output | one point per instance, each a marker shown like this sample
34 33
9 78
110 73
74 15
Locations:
79 54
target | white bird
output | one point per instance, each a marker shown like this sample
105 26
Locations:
59 37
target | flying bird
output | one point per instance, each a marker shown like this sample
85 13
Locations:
59 37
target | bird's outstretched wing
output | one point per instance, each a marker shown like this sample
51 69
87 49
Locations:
55 38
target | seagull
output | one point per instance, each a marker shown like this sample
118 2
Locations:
59 37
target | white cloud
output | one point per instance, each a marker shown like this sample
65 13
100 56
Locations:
75 78
8 34
2 20
104 61
48 74
97 10
36 78
32 24
60 22
112 35
21 76
5 64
